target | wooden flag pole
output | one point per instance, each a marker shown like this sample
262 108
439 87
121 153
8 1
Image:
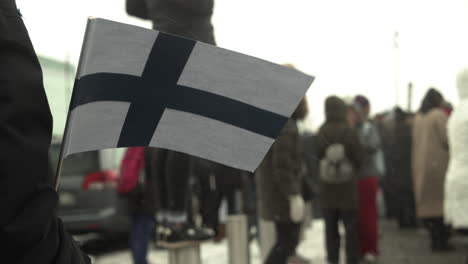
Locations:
65 132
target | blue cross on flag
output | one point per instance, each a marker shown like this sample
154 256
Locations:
140 87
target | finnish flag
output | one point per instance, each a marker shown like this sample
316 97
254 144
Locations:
140 87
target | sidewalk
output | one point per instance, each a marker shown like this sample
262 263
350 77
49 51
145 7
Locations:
412 247
397 247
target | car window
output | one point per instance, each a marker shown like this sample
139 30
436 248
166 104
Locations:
75 164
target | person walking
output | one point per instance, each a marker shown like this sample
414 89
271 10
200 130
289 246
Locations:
368 184
279 183
30 231
456 183
429 164
338 181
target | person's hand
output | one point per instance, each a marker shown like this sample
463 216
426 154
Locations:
296 208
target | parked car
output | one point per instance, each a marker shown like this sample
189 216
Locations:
88 200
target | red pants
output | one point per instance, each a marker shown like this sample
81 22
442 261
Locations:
367 217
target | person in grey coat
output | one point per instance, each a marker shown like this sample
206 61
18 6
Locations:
368 184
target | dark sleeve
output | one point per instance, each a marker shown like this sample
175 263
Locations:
285 166
195 7
29 229
321 144
354 149
137 8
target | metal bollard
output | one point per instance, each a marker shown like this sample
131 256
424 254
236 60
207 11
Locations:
238 240
185 255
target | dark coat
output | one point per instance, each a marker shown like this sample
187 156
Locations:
30 231
336 130
310 166
143 199
279 175
399 179
170 171
225 178
185 18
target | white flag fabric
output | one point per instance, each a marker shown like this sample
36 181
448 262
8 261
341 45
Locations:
140 87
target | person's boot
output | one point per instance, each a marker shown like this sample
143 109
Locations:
440 239
220 233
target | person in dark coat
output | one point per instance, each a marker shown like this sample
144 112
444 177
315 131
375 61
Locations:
279 183
189 19
310 166
400 181
217 182
339 201
171 171
185 18
30 231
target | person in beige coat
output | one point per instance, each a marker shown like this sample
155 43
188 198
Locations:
429 164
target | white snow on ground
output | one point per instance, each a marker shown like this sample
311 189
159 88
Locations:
217 253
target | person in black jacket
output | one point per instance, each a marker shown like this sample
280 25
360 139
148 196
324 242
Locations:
189 19
185 18
30 231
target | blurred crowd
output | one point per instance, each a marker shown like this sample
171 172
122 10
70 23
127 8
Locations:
416 161
337 173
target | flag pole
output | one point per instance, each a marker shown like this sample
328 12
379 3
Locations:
62 151
67 124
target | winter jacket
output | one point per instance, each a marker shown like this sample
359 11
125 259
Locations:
336 130
456 186
396 144
371 144
429 162
185 18
399 176
30 231
278 176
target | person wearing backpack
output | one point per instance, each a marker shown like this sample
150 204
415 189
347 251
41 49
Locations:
339 152
140 190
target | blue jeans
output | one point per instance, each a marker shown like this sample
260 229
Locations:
140 235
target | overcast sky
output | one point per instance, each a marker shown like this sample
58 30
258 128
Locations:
347 45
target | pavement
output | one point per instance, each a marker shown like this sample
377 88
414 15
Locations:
397 247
